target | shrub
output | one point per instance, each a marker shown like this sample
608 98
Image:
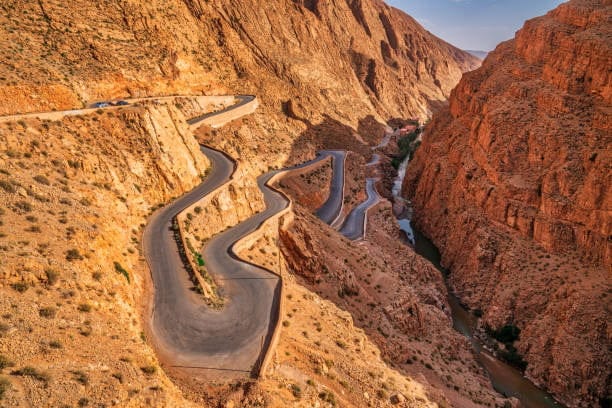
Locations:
84 307
507 334
42 180
5 362
83 402
81 377
52 276
55 344
120 269
512 357
149 370
29 371
328 396
24 206
73 255
20 286
47 312
85 331
296 391
8 187
4 386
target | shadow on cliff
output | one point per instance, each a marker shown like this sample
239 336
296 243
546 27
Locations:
329 134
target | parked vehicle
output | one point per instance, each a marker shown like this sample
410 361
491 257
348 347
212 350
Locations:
122 103
101 105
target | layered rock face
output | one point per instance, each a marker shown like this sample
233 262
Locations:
344 59
512 184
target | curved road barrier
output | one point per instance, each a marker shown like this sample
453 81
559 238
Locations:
246 104
355 225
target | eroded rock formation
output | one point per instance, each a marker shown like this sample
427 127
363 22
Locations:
512 184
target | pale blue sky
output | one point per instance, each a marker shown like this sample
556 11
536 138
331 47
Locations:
474 24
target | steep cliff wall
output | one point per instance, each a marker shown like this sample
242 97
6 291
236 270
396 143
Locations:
512 184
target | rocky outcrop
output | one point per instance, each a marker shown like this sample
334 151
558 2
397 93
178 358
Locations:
512 184
75 193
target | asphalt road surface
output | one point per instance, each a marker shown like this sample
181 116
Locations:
226 343
242 100
331 210
355 224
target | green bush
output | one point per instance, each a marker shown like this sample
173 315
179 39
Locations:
81 377
55 344
149 370
119 269
42 180
84 307
8 187
507 334
24 206
328 396
52 276
512 357
20 286
296 391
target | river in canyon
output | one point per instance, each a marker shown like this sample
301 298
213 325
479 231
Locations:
505 379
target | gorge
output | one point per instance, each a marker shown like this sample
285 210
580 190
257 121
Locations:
105 111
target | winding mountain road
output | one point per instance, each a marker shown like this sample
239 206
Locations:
242 100
230 342
331 211
355 224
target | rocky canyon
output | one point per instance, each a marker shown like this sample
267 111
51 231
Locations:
512 183
105 107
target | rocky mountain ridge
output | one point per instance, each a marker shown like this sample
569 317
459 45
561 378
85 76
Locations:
512 184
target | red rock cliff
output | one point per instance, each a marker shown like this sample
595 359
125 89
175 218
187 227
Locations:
512 183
